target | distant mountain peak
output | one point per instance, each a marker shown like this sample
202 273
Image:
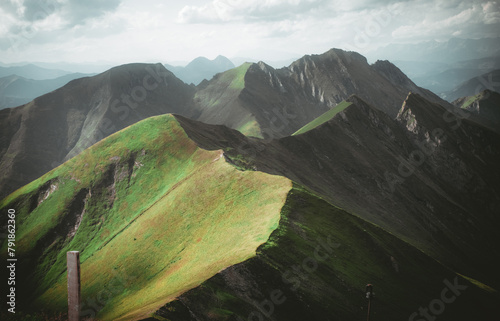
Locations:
202 68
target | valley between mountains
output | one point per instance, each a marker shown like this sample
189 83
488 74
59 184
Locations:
261 194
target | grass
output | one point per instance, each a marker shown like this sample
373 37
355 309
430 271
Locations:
160 216
470 100
236 76
323 118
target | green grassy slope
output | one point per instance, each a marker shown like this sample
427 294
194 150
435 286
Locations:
317 264
158 216
323 118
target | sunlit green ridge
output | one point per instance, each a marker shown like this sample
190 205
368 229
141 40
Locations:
148 227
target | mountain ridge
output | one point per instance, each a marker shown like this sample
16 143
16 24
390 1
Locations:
254 98
408 159
280 101
322 210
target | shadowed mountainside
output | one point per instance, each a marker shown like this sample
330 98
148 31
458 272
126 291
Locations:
442 208
398 174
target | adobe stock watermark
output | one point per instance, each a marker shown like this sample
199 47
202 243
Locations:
437 307
293 277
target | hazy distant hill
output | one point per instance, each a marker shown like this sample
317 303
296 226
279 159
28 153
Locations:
31 71
442 78
54 127
453 50
16 90
474 86
201 68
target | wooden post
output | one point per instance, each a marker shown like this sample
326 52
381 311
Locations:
369 296
73 263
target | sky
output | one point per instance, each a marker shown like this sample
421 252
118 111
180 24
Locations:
122 31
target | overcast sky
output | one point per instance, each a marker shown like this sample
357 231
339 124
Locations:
121 31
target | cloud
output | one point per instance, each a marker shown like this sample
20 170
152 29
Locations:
491 12
438 21
222 11
78 12
37 21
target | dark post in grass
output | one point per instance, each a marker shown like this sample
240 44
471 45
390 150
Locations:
369 296
73 262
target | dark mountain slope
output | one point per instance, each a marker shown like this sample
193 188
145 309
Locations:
44 133
277 102
16 90
429 177
484 108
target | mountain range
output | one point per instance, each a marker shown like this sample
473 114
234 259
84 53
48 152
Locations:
487 81
253 98
16 90
443 66
450 51
260 194
31 71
